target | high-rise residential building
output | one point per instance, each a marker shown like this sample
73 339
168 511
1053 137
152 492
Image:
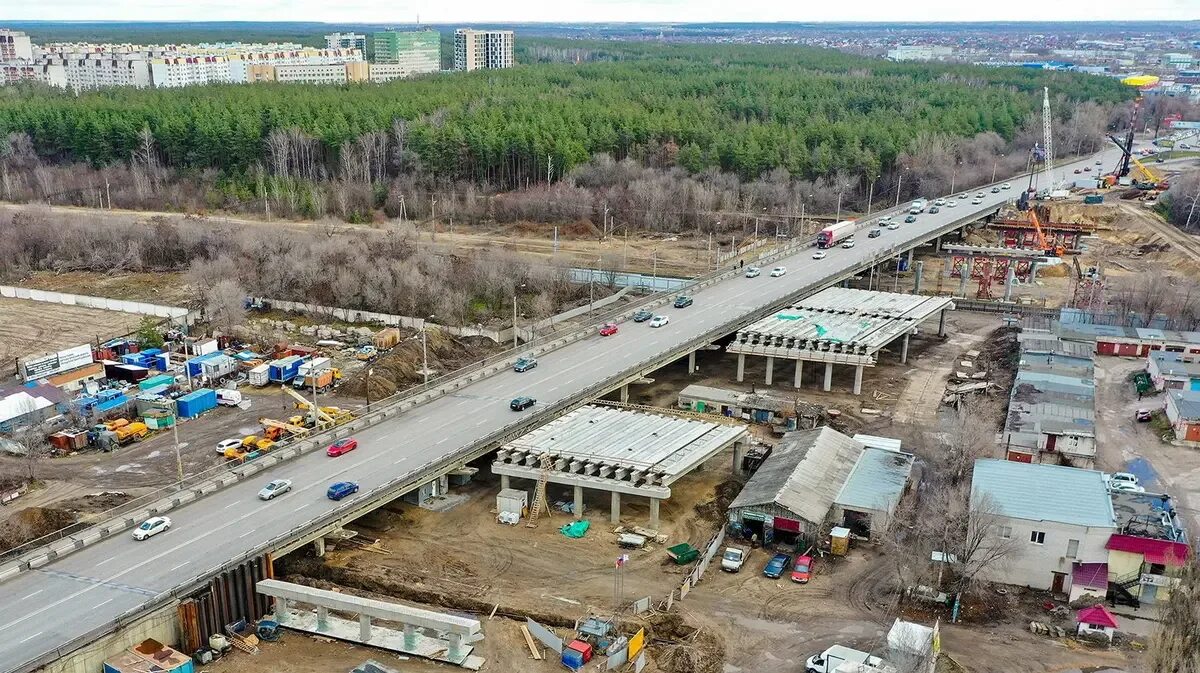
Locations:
416 51
15 46
346 41
482 49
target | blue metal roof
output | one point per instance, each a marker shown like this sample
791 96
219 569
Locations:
877 481
1041 492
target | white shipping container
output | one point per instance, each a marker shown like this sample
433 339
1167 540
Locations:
317 365
206 347
512 501
260 375
229 398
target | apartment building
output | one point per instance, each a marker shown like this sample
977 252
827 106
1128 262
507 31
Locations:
176 71
15 46
416 51
96 71
346 41
482 49
239 65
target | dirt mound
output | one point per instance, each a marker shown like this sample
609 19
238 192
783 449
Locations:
32 523
682 647
95 502
714 510
400 367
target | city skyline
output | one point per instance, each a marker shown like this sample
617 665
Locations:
701 11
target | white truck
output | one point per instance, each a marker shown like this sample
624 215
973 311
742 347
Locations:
833 658
733 559
229 398
917 207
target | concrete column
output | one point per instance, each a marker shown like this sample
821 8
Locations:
322 618
910 258
828 376
625 393
505 482
799 372
741 372
942 323
692 362
1033 267
456 643
578 510
654 513
904 350
858 372
918 272
1010 278
614 511
319 547
364 628
410 637
965 278
937 244
281 614
770 368
739 451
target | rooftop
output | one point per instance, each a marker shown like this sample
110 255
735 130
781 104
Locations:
877 481
1187 402
1042 492
1162 552
838 325
1174 364
803 474
1149 515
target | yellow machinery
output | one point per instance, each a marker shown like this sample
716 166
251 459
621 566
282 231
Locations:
1153 179
322 417
276 429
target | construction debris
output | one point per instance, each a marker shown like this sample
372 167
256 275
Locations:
533 649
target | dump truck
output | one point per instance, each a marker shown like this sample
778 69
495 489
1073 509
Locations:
324 380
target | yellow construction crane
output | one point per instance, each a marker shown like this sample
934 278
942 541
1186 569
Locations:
1153 179
297 430
320 418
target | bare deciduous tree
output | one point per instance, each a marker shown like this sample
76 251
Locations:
1175 646
224 304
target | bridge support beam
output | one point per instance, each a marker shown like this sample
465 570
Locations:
918 272
1033 267
692 362
770 369
577 510
505 482
625 393
319 547
937 244
910 258
410 637
654 513
942 323
828 376
614 509
364 628
741 371
858 373
904 350
799 373
739 451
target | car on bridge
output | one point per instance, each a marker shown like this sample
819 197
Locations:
1087 169
781 270
874 233
885 219
659 321
151 527
962 196
341 446
1078 171
939 202
777 565
979 195
910 219
753 272
275 487
608 329
952 204
521 403
892 226
1006 186
524 364
820 254
849 243
683 301
1101 163
977 200
642 316
995 190
934 210
341 489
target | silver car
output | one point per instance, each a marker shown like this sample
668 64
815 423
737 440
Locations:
274 488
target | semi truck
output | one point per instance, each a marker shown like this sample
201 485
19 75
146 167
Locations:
835 233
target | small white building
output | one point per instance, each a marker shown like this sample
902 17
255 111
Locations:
1052 516
1096 619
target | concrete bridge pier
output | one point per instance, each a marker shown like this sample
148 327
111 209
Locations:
828 376
904 350
319 547
741 370
858 374
614 511
625 393
770 369
799 373
692 362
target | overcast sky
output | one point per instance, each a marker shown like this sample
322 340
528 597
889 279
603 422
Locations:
491 11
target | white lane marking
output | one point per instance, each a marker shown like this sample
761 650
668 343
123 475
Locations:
31 637
249 532
32 594
178 566
100 563
232 504
103 604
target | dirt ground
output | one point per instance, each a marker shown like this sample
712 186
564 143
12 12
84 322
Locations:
158 288
32 327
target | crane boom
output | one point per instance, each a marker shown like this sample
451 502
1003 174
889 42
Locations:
1051 249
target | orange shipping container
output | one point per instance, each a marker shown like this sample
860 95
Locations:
387 338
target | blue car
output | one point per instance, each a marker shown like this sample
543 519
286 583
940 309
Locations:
524 364
777 565
341 489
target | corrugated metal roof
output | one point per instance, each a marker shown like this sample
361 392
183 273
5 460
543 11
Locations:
803 474
1042 492
1187 403
877 481
1173 364
876 442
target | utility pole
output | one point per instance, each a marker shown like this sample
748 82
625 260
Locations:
432 210
655 281
899 181
604 225
871 194
178 455
370 370
424 354
954 176
514 320
549 168
1187 225
556 239
592 286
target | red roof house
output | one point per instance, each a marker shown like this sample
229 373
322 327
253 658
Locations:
1161 552
1096 619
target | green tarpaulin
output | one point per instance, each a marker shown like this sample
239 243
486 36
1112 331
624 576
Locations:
576 529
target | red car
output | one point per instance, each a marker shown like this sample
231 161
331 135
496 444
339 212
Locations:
608 329
342 446
802 570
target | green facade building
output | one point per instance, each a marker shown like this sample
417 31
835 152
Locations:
418 51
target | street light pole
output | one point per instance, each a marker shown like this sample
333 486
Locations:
899 181
424 354
178 455
514 320
954 176
370 370
871 194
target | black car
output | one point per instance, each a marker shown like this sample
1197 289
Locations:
683 301
934 210
642 316
524 364
521 403
911 218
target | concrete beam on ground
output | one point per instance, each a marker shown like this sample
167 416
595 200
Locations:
394 612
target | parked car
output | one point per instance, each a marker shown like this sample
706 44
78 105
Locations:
780 270
1128 488
659 321
753 272
849 243
1123 478
1143 415
934 210
733 559
608 329
341 489
777 565
228 444
910 219
521 403
802 570
683 301
274 488
342 446
874 233
151 527
642 315
524 364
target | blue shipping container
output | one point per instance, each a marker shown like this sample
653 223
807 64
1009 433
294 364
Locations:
572 659
195 403
161 362
284 369
193 366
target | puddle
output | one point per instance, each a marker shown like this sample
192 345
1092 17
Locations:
1143 470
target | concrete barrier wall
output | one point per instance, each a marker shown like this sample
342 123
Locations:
390 319
176 313
161 625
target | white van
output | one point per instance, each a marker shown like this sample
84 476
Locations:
229 398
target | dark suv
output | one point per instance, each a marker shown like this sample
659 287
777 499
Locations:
521 403
683 301
642 316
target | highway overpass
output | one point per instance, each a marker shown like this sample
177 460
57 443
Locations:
55 608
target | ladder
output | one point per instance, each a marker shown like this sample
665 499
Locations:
539 493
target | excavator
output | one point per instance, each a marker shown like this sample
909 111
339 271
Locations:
1051 249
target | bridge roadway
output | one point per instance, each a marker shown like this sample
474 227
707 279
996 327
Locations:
48 608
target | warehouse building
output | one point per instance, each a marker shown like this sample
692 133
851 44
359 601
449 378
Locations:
1183 411
1173 371
837 326
619 451
1052 405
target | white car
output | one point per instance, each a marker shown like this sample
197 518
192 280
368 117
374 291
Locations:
752 271
885 219
976 201
979 195
228 444
1123 478
1006 186
849 243
820 254
940 202
892 226
274 488
779 271
952 204
1126 488
963 195
151 527
659 321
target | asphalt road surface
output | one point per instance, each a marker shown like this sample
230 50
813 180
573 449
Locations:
48 607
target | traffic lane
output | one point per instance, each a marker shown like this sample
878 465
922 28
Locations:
44 631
